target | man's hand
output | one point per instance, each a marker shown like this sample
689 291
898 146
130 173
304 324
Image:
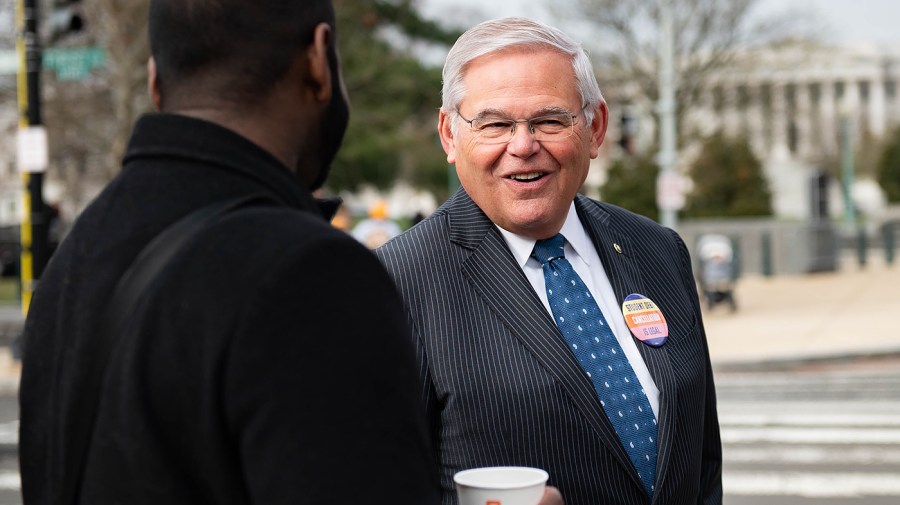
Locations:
551 497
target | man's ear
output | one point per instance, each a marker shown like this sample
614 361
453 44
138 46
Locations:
153 84
319 71
445 130
598 128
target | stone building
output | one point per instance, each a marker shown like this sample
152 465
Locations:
791 102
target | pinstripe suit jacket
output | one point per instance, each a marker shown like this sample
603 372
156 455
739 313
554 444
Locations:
501 386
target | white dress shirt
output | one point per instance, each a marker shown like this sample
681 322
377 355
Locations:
584 259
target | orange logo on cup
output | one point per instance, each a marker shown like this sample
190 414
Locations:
493 502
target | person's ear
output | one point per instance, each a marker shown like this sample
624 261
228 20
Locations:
445 130
598 128
319 70
153 84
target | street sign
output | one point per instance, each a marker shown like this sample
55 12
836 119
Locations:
9 62
32 149
75 63
69 63
669 191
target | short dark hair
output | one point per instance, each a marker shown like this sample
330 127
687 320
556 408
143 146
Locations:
239 48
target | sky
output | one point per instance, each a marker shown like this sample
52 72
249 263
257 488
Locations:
843 21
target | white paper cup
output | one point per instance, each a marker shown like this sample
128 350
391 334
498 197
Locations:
500 485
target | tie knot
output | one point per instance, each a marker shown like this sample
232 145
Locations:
549 249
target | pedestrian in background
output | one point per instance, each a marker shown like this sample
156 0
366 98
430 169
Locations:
552 330
268 361
377 228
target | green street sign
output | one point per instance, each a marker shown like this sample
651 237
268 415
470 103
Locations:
73 64
69 64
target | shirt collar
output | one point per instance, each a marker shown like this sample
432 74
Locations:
572 229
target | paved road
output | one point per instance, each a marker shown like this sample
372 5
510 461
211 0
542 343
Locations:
813 436
10 484
821 434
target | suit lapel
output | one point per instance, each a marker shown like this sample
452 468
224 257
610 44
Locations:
499 281
625 276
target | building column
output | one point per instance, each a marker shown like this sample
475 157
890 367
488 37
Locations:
877 107
755 115
803 120
851 107
779 148
828 118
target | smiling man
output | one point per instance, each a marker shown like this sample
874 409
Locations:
516 290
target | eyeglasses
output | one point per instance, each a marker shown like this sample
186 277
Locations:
548 128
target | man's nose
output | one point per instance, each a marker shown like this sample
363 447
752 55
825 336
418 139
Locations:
523 143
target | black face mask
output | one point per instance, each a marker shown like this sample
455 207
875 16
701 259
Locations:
334 123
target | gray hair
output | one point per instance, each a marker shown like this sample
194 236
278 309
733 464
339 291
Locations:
496 35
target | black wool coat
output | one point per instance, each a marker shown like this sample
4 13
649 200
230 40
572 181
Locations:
269 362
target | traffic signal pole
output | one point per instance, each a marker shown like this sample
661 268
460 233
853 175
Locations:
34 226
668 187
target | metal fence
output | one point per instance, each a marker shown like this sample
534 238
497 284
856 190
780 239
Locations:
769 247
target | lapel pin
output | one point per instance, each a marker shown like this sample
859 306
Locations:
618 248
645 320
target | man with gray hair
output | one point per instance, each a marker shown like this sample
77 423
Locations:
552 330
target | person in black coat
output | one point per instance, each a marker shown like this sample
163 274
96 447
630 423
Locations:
269 362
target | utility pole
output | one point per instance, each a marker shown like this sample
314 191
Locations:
669 191
32 151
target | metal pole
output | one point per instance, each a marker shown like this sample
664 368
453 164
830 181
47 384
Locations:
33 229
888 230
666 109
848 172
848 169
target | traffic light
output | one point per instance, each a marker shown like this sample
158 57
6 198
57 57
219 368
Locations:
627 132
818 192
66 18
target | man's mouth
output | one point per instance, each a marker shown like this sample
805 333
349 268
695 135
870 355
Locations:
529 177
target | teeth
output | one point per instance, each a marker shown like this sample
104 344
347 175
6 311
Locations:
525 177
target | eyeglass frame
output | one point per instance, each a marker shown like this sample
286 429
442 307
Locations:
515 122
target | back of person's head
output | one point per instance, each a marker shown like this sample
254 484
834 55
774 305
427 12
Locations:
515 33
232 50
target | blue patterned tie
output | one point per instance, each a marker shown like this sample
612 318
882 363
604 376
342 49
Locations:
592 342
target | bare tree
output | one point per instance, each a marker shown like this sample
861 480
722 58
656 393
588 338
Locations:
121 28
89 120
708 35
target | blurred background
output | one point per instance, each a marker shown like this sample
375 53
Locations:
766 132
783 121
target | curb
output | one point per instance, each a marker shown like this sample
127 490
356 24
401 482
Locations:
798 363
9 387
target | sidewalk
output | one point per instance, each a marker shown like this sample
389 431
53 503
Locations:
835 315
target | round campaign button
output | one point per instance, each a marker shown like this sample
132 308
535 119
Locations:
645 320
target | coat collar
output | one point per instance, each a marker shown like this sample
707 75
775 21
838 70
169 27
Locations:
161 135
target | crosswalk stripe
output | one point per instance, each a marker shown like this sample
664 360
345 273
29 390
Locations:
812 455
9 433
807 435
10 481
811 485
810 436
804 419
